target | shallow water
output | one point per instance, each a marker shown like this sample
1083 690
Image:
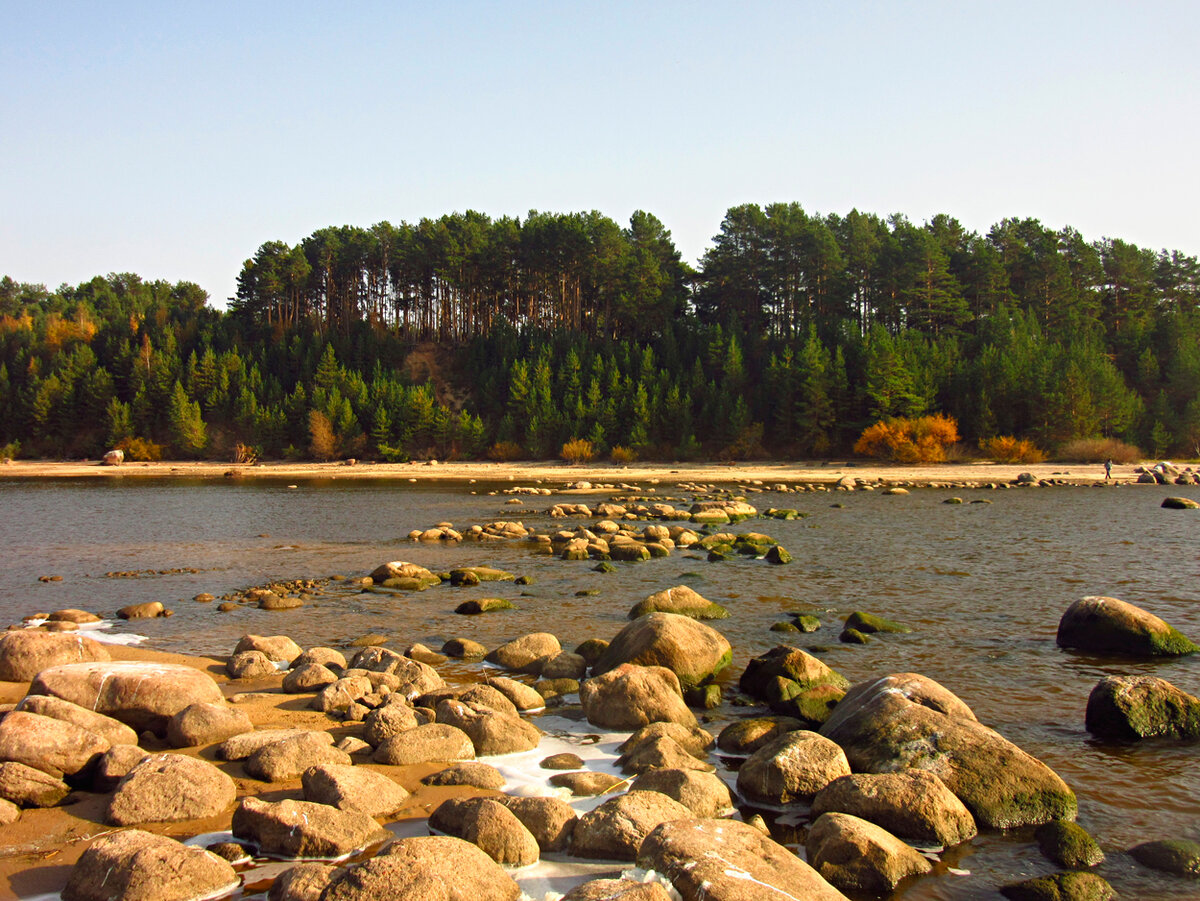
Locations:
983 585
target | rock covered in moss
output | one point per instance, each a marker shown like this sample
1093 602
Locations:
1068 845
1137 707
681 600
1108 625
1070 886
869 623
1179 856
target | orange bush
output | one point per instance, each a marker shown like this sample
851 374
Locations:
1007 449
140 450
622 456
922 440
505 452
578 450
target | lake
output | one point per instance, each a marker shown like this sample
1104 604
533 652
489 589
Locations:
982 584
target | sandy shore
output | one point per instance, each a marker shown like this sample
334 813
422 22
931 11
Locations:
555 473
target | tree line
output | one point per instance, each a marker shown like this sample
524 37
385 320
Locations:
794 333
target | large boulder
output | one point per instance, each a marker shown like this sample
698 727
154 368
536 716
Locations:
744 737
615 830
490 826
900 722
425 868
250 665
26 652
681 600
303 829
1136 707
527 654
308 677
353 788
523 697
914 805
1178 856
1109 626
793 767
52 746
169 788
858 856
725 860
132 865
630 696
114 765
691 650
289 757
112 731
28 786
400 569
141 695
425 744
704 794
491 731
205 723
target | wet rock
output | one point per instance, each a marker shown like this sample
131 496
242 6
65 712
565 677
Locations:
424 744
615 830
1107 625
149 610
659 752
289 757
914 805
353 788
564 761
491 731
73 616
704 794
549 820
478 775
488 825
291 829
617 890
132 865
681 600
777 556
52 746
857 856
564 665
585 784
427 868
202 724
1068 845
303 882
899 722
526 654
486 696
794 683
853 636
629 697
592 650
1060 887
1136 707
484 605
724 860
250 665
400 570
111 730
308 677
747 736
25 653
693 651
793 767
522 696
1178 856
277 648
463 648
691 738
27 786
1180 503
869 623
169 788
113 766
481 574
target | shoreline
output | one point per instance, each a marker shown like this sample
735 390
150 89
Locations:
768 473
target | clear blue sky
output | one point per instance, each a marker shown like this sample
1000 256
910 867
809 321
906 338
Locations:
171 140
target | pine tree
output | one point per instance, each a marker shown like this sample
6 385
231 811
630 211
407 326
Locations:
187 431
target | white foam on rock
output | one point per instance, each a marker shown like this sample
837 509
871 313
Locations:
98 631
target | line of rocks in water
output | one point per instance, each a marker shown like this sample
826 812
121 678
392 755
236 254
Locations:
882 766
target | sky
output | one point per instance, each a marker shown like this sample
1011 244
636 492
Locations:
172 139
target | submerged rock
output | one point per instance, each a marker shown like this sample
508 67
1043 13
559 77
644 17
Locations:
1178 856
1137 707
1068 845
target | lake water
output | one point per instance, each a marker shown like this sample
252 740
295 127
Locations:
983 586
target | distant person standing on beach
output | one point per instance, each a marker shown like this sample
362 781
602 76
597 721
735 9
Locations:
1107 470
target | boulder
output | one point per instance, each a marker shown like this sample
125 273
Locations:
491 731
308 677
615 830
426 868
113 458
239 747
617 890
794 683
526 654
26 652
660 752
132 865
744 737
692 739
564 761
486 696
303 882
113 765
484 605
353 788
278 648
384 722
630 696
1109 626
1180 503
549 820
585 784
724 860
463 648
399 569
1068 845
148 610
205 723
303 829
331 658
681 600
169 788
288 757
338 696
141 695
869 623
793 767
564 665
691 650
52 746
488 825
523 697
27 786
412 677
704 794
9 812
477 775
425 744
1136 707
857 856
72 615
900 722
1060 887
250 665
913 804
1179 856
111 730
